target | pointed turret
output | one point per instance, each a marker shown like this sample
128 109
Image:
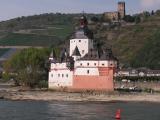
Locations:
52 57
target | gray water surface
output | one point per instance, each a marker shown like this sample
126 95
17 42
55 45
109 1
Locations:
39 110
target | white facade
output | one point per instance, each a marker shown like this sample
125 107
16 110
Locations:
84 45
94 63
90 67
60 76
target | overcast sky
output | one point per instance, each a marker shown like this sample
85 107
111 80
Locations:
16 8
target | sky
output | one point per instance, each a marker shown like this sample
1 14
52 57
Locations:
17 8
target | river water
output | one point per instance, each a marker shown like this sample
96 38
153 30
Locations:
39 110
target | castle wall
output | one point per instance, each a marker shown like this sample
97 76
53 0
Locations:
100 83
95 63
60 76
83 45
111 16
119 14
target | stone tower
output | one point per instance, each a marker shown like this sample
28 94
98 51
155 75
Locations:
121 9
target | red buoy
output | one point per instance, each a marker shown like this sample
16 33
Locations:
118 114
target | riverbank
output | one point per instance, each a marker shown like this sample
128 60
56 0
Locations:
44 95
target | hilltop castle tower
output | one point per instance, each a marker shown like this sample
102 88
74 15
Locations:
121 9
117 15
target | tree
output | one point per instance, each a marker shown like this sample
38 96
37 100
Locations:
137 19
152 13
28 66
129 18
146 14
95 19
158 12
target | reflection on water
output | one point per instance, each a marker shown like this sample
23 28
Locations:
38 110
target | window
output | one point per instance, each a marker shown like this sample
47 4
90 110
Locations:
58 75
62 75
51 75
87 71
67 75
81 64
88 64
82 51
79 40
95 64
102 64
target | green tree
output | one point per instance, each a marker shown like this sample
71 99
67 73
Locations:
129 18
28 66
137 19
95 19
158 12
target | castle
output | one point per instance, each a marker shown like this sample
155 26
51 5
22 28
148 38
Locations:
118 15
84 67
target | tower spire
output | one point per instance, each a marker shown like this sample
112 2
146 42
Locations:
83 20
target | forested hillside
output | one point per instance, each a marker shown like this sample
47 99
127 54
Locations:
135 45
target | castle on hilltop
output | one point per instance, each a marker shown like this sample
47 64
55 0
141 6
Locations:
117 15
83 66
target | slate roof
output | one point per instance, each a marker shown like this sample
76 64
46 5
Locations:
93 54
76 52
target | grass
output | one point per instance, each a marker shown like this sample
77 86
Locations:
50 35
13 39
61 31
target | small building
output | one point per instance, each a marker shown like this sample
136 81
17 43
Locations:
138 72
153 73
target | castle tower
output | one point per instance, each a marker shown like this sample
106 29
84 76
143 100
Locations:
83 39
121 9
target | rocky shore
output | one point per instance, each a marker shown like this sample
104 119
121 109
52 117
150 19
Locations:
45 95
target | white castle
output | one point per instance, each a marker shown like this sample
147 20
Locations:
85 67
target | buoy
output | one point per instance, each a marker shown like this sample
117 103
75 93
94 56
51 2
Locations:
118 114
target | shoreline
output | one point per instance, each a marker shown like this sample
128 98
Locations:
42 95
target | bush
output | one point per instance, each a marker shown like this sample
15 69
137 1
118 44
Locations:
129 18
29 66
6 77
43 84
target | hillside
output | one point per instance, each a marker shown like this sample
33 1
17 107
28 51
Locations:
135 45
37 30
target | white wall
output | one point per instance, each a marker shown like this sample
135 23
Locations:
58 66
90 67
60 75
95 63
83 45
87 71
60 78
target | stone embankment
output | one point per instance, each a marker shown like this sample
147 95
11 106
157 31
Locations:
64 96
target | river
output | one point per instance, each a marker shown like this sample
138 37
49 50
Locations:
40 110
